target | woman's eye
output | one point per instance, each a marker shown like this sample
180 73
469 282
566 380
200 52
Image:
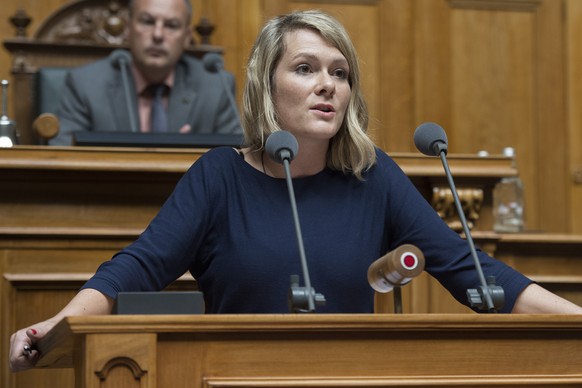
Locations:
341 73
303 69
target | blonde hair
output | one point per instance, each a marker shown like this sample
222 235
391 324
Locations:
351 150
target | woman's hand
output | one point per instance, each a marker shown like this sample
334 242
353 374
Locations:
86 302
23 352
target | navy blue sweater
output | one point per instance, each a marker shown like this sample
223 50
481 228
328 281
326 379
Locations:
231 226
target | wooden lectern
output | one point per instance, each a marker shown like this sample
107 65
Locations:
316 350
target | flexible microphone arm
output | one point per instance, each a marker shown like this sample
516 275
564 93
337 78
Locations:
120 59
281 146
213 62
125 78
485 290
487 295
285 156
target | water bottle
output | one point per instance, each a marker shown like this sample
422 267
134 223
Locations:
508 202
8 135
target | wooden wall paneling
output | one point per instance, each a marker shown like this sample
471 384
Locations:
248 27
552 260
272 8
396 77
486 74
438 299
237 25
88 204
7 323
432 78
38 10
550 156
422 295
39 277
491 86
30 304
573 37
363 24
492 68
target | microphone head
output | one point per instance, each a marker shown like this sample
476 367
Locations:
281 145
396 268
213 62
430 139
120 57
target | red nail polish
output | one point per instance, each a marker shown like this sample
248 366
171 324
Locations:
33 331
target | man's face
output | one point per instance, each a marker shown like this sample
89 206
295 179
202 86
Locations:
159 33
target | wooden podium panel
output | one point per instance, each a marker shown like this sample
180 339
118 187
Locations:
95 189
229 351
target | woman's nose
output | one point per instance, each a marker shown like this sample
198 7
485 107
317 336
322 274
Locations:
326 85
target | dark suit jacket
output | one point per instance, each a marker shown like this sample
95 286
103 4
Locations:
94 100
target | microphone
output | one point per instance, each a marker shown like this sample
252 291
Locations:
396 268
121 59
431 140
281 146
213 63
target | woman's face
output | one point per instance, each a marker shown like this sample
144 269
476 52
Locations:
311 89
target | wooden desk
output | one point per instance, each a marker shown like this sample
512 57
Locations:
318 350
101 188
552 260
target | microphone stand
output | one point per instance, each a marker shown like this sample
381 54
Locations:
299 295
487 290
397 300
228 91
213 62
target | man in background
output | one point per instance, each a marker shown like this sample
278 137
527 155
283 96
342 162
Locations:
153 88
